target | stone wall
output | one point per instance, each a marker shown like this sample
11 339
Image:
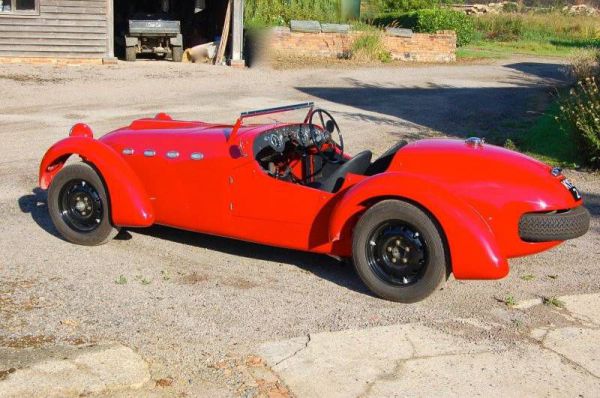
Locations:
419 47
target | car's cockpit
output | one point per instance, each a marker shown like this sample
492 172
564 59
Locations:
308 154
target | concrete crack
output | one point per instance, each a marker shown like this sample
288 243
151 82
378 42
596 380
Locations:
308 339
395 371
577 366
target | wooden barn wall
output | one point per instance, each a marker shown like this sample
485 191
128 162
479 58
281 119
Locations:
63 29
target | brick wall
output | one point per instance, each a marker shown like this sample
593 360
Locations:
420 47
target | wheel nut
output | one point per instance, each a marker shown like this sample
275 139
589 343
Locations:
398 242
389 249
405 260
394 260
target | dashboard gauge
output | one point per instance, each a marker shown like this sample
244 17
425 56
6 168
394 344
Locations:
304 136
277 142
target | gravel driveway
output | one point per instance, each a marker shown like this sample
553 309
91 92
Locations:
196 306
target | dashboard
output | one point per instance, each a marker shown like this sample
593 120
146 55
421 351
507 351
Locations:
300 135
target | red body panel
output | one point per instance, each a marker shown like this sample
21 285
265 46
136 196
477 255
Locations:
477 194
131 204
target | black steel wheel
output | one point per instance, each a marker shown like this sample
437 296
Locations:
399 252
79 207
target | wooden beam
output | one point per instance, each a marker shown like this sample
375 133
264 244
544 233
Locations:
237 44
110 19
224 35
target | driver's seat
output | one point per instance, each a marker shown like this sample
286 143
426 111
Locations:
356 165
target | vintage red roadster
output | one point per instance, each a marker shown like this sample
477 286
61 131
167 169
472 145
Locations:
407 219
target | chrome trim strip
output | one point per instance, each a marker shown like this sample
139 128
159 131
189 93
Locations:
149 153
128 151
278 109
197 156
172 154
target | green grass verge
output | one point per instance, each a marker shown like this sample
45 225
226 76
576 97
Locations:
497 49
548 141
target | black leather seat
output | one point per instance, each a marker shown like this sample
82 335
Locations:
357 165
383 162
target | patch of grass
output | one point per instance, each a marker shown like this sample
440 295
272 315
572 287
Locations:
552 276
475 53
121 280
549 141
551 34
145 281
553 302
492 49
528 277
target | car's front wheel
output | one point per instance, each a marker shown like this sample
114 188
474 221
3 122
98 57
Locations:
398 252
79 207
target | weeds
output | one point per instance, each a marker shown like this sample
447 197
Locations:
528 277
583 63
165 275
121 280
509 144
580 111
553 302
369 47
509 300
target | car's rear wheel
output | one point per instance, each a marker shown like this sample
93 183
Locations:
79 207
398 252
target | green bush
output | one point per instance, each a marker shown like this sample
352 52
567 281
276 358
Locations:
441 19
580 110
432 20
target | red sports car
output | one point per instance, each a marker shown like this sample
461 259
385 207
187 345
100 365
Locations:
407 219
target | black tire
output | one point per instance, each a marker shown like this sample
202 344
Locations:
130 54
386 232
177 53
554 226
75 185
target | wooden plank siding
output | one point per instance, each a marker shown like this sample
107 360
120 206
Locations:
63 29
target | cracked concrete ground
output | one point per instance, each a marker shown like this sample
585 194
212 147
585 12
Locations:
196 308
419 361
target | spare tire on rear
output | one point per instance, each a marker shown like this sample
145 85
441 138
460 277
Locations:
554 226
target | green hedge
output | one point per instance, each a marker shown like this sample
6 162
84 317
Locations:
430 21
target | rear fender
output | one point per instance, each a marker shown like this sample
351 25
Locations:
130 205
473 247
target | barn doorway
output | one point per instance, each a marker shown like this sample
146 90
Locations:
200 21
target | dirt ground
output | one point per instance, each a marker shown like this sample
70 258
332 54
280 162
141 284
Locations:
196 306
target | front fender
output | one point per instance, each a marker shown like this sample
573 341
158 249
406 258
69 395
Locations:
130 205
474 250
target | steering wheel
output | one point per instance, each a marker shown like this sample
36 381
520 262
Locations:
331 126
